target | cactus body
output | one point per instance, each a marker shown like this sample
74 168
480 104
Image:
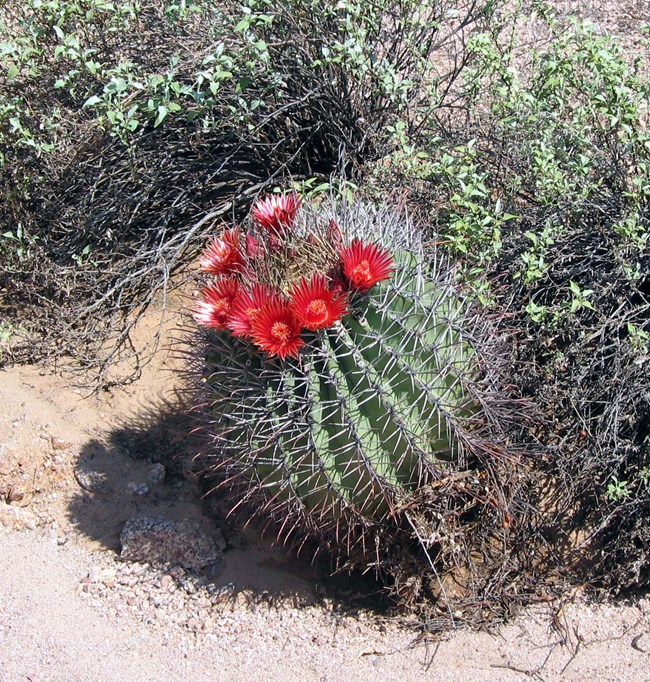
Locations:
331 444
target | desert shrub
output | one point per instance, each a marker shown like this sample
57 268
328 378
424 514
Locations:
543 191
127 129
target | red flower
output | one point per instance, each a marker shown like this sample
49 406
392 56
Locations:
364 265
315 305
222 255
214 310
276 330
246 306
277 213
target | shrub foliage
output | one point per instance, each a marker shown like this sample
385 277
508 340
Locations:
543 192
128 129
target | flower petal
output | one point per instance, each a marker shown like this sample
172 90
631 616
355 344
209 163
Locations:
365 265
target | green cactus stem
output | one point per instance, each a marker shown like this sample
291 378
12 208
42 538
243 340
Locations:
395 396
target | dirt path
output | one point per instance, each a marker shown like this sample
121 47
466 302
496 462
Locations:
49 632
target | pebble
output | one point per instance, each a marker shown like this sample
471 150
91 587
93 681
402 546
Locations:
167 582
102 575
15 494
156 474
139 489
189 587
17 518
91 480
177 572
59 444
163 541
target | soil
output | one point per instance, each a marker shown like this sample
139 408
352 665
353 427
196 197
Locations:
70 467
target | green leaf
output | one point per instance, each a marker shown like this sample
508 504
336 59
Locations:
162 113
243 83
92 101
12 71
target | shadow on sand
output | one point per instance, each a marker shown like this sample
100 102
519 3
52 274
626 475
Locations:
115 470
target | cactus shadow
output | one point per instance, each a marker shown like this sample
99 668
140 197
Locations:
114 472
114 475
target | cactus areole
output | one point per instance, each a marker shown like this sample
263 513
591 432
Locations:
341 379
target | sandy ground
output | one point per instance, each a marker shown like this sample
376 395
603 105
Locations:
47 632
72 610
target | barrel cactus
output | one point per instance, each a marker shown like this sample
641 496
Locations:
347 380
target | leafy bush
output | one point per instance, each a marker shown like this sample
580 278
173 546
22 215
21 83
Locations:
543 191
128 129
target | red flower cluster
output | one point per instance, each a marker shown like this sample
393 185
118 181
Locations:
239 303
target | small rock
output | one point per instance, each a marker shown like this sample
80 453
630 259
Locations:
139 489
156 474
59 444
16 518
177 573
15 494
91 480
127 581
218 593
101 575
160 540
166 582
189 587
